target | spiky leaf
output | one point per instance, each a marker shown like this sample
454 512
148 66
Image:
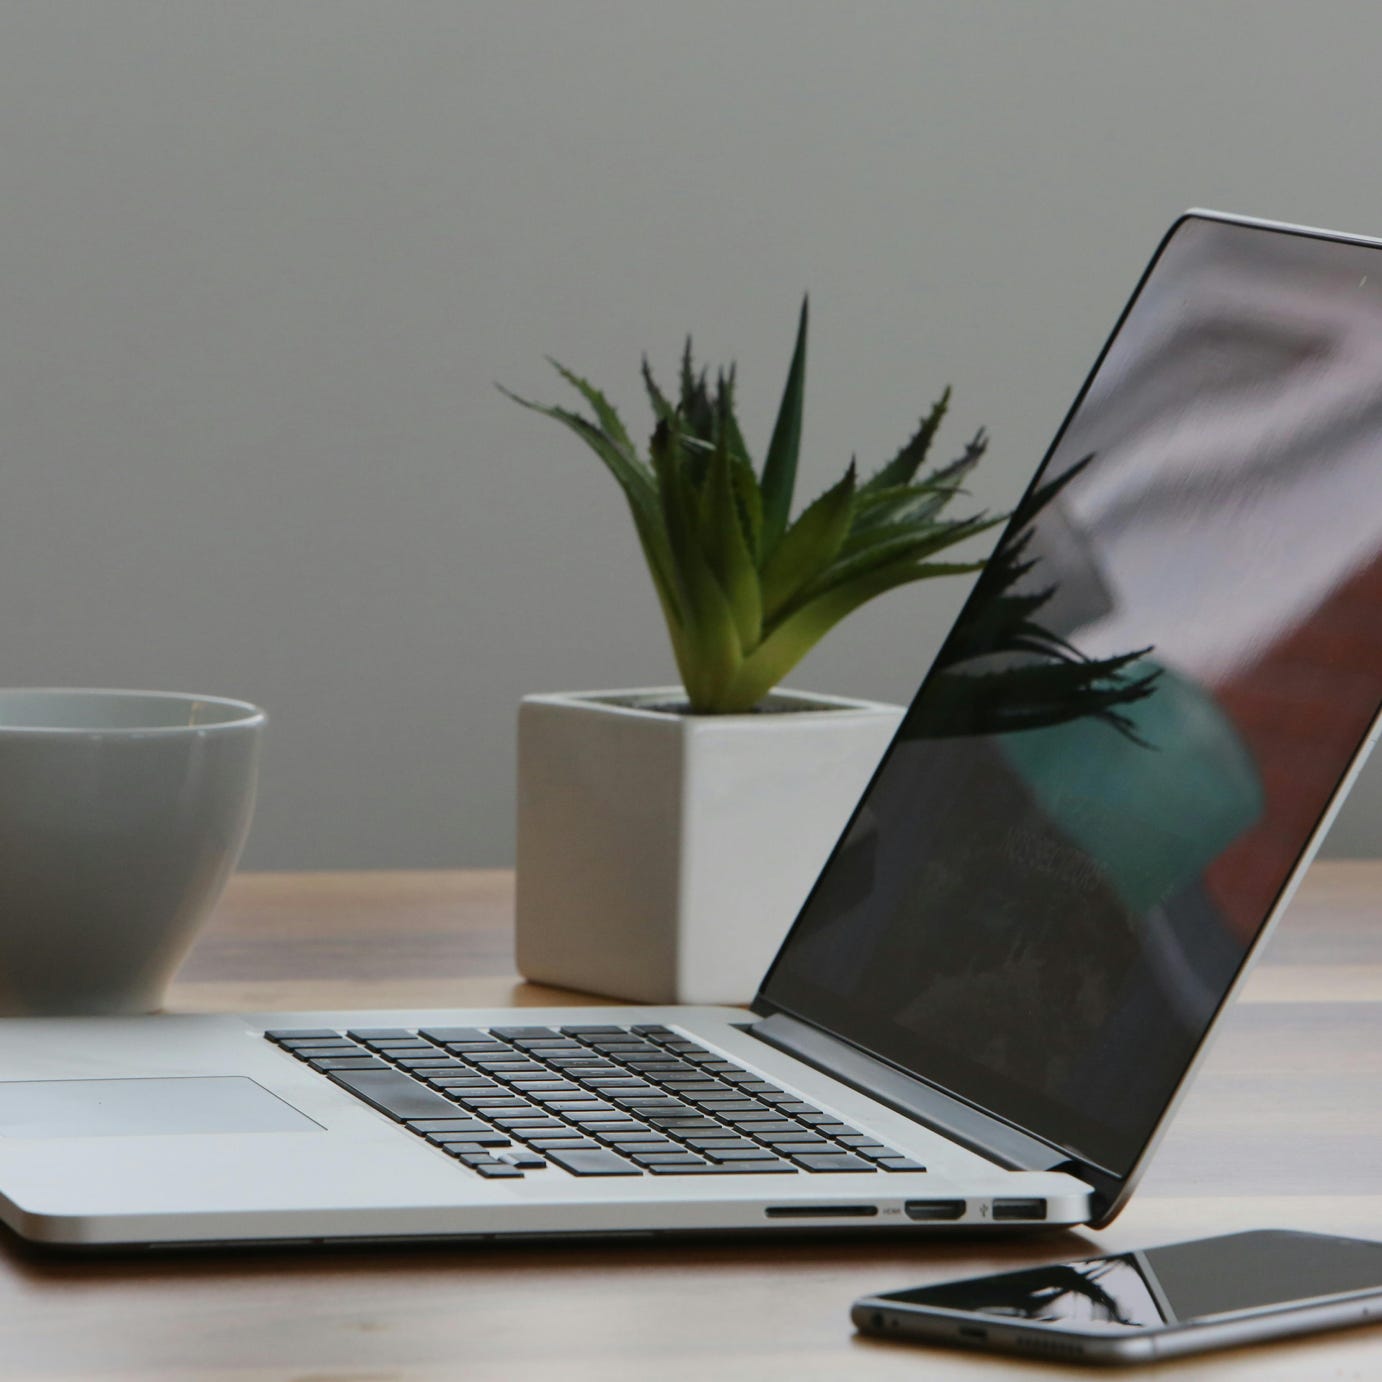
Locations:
907 462
780 464
796 635
808 546
640 490
726 550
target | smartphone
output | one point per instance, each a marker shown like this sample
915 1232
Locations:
1135 1307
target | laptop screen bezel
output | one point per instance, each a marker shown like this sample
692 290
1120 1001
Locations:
1112 1186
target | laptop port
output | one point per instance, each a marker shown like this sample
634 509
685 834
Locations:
932 1211
1018 1209
821 1211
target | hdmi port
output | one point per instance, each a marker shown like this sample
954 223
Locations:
934 1210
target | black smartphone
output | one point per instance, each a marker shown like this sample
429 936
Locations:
1134 1307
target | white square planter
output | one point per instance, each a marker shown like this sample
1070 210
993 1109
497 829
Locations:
662 857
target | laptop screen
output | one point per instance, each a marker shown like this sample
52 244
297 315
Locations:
1140 717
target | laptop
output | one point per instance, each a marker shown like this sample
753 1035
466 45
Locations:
1129 746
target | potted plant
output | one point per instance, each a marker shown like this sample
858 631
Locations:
668 836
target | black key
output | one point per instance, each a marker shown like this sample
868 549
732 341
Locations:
521 1122
446 1034
751 1168
381 1034
562 1144
653 1030
498 1171
677 1123
464 1149
346 1048
451 1125
597 1163
720 1107
733 1153
303 1034
833 1129
347 1063
591 1031
900 1163
525 1161
796 1108
720 1142
331 1043
747 1123
665 1159
392 1092
819 1161
859 1141
816 1146
472 1132
481 1140
509 1033
577 1105
731 1168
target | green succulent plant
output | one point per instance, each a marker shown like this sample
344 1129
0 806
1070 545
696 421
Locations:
746 590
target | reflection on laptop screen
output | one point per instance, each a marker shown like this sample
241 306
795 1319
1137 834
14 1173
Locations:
1140 717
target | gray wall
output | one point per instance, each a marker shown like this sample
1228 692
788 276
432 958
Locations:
261 262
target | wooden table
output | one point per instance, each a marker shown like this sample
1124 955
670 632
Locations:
1283 1129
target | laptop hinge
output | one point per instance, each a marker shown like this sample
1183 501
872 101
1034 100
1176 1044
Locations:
960 1122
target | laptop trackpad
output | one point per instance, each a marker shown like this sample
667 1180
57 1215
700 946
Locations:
139 1108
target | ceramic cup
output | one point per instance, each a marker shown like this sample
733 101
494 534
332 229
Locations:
122 814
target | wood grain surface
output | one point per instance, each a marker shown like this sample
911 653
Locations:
1283 1129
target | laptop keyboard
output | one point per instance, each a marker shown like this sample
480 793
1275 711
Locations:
592 1100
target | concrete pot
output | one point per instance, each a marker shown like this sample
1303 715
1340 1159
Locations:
662 856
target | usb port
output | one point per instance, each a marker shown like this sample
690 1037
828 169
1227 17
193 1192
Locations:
1019 1209
934 1210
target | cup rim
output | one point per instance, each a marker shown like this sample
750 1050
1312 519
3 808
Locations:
249 715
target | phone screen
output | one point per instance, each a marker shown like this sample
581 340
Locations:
1177 1284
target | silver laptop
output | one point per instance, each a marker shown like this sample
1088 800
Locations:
1118 767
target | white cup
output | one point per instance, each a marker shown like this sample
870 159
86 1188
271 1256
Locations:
122 814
